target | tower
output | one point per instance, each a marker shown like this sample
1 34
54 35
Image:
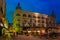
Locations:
18 6
53 15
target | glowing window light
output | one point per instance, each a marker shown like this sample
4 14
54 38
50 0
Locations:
5 26
43 31
29 31
1 24
38 31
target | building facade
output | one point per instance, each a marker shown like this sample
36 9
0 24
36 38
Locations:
30 21
2 14
58 28
51 23
2 10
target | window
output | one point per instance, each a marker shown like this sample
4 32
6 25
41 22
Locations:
18 14
33 21
24 28
42 25
38 25
42 17
29 16
34 16
1 9
24 15
47 19
50 22
42 21
18 24
30 20
38 17
39 21
34 25
18 20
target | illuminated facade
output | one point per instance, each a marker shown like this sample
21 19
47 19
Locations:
2 14
30 21
2 10
51 22
58 28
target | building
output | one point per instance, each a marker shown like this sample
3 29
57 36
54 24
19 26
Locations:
58 28
2 14
51 20
32 22
51 23
2 10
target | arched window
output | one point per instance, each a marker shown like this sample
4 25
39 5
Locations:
17 14
34 16
1 9
42 21
39 25
38 21
38 17
29 16
42 17
24 15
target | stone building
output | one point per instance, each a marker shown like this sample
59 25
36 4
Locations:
31 22
51 23
2 14
2 10
58 28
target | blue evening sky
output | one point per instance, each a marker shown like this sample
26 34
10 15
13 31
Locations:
40 6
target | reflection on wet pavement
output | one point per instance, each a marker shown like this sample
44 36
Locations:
24 37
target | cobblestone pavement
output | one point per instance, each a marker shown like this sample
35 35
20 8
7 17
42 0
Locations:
24 37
